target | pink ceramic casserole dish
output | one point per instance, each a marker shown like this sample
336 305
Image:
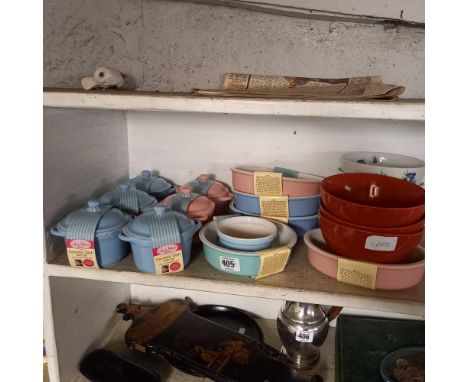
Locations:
389 276
303 185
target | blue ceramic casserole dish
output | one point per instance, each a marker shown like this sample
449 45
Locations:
298 206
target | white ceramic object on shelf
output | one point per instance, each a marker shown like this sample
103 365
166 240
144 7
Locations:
104 78
395 165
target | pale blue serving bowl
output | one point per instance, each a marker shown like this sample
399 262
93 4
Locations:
246 233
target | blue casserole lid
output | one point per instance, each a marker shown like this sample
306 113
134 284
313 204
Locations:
129 199
139 228
151 184
113 220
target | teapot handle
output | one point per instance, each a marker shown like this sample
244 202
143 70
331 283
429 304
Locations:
333 312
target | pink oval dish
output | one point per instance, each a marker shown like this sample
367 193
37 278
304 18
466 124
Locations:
389 276
304 185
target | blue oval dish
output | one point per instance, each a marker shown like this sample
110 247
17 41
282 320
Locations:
298 206
236 262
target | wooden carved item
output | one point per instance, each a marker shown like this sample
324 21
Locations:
173 331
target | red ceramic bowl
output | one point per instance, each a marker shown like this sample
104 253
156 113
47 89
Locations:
389 276
373 200
368 246
413 228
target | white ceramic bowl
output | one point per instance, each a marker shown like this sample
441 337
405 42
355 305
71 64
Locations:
246 233
395 165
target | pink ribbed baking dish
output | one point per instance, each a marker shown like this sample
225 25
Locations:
303 185
389 276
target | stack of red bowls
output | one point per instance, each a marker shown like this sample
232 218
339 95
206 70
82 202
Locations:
370 217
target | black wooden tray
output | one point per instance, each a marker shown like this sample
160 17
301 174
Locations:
227 316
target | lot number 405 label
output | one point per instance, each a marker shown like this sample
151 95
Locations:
229 264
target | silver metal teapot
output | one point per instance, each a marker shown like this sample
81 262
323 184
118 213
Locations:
303 328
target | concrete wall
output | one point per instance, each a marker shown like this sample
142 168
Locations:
85 154
177 46
181 146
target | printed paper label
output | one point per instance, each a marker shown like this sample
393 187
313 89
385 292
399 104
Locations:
229 264
381 243
168 259
305 336
273 261
81 253
357 273
274 207
268 183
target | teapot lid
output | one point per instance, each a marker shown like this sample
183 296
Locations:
303 312
139 228
151 184
112 220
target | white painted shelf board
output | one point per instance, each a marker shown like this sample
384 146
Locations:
298 282
404 109
115 342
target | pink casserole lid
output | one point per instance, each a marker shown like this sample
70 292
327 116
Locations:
389 276
200 208
213 190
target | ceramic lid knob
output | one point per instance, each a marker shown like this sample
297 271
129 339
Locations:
94 204
203 178
146 174
185 191
160 210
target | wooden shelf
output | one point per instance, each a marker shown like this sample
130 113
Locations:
115 342
299 282
411 110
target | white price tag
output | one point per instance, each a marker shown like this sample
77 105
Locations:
381 243
229 264
304 336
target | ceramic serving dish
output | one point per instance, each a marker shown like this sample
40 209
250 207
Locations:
369 246
298 206
138 234
213 190
300 225
413 228
109 248
389 276
373 200
395 165
239 262
246 233
404 364
303 185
